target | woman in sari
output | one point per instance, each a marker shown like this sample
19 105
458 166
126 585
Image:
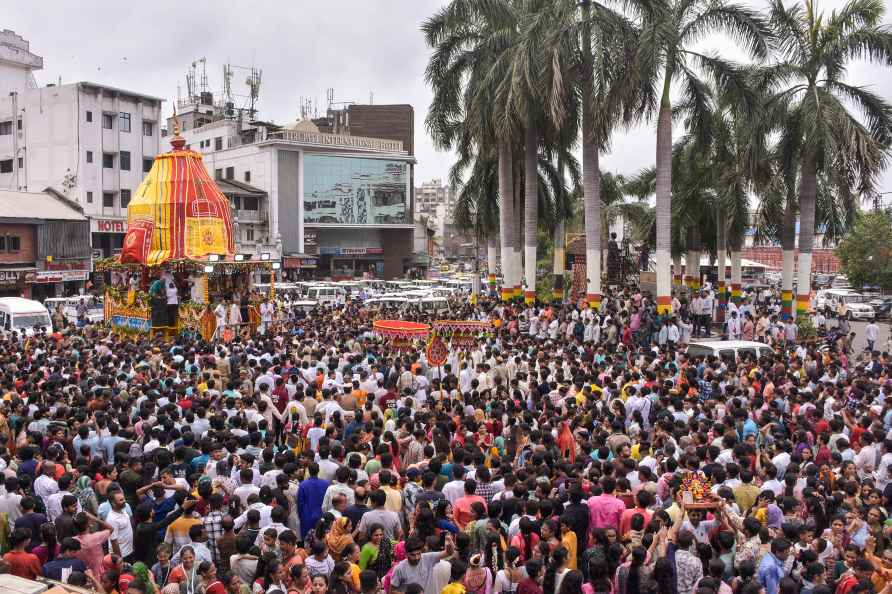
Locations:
83 490
184 578
300 580
566 442
377 553
339 537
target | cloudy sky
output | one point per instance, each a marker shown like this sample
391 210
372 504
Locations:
356 47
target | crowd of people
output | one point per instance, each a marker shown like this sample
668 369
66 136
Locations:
569 450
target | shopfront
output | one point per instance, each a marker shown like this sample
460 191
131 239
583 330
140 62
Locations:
299 267
352 262
13 282
62 280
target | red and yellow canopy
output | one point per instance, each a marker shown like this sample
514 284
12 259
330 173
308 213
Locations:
178 212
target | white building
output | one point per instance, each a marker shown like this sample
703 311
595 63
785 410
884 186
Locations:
338 205
436 202
92 142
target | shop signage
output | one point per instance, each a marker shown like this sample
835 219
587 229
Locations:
13 276
338 140
311 243
58 276
361 251
292 262
108 225
68 265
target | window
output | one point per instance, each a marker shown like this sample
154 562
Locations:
21 162
148 128
6 166
218 143
125 198
230 172
124 121
89 197
250 203
89 116
2 243
6 128
108 121
108 160
125 160
146 165
13 243
247 176
108 199
18 124
218 174
89 156
237 203
249 234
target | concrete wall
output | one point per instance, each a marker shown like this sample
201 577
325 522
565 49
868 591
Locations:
289 199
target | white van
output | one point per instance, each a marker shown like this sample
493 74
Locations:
325 294
728 350
436 305
24 316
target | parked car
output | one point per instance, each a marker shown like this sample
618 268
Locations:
728 350
844 302
882 306
25 316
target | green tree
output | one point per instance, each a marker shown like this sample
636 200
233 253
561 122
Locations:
866 251
811 107
670 28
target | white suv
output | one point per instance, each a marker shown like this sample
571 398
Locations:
846 303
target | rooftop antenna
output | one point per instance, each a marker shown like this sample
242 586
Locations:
371 97
329 94
204 75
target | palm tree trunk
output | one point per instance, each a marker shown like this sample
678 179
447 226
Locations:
788 245
591 176
721 249
695 257
517 264
689 265
676 271
506 216
492 254
807 196
735 271
664 201
559 259
531 209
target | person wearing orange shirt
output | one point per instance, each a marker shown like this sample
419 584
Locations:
22 563
461 509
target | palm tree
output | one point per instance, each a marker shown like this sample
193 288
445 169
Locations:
594 93
810 108
470 41
669 28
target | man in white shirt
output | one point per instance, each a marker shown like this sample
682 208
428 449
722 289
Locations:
733 327
122 529
45 485
871 333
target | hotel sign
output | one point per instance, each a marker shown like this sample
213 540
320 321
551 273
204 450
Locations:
339 141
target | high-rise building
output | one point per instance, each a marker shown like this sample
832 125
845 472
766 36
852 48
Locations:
436 203
91 142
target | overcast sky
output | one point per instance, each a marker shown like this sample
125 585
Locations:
303 47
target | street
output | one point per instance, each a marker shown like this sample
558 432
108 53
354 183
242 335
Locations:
860 342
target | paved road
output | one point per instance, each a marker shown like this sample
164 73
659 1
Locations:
861 343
